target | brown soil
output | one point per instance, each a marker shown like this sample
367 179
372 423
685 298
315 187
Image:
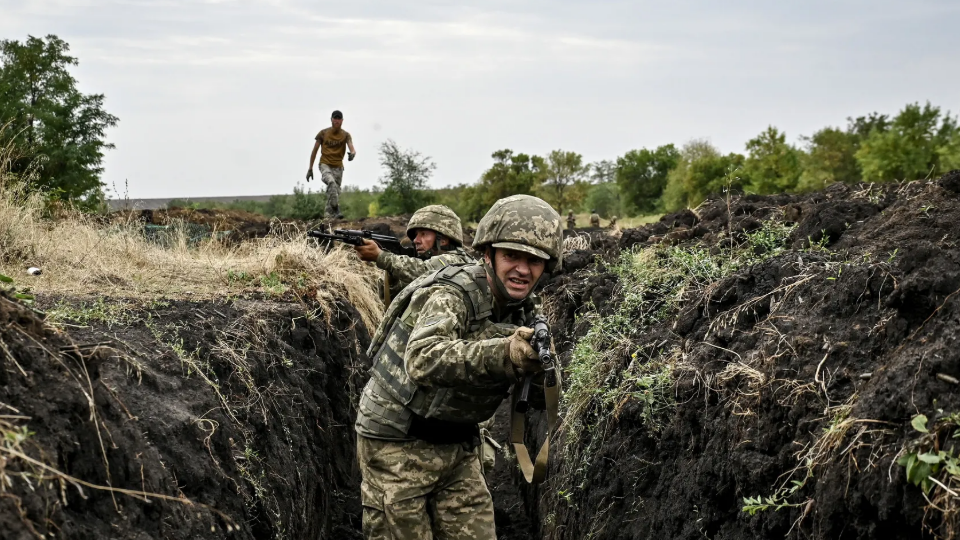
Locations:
245 406
872 323
271 453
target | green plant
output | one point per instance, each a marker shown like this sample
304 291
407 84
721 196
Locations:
20 293
777 501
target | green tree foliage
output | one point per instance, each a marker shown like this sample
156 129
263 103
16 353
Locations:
701 171
405 177
564 179
603 171
605 199
642 175
51 120
510 174
920 141
830 157
772 165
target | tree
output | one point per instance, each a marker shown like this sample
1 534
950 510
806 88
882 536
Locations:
564 170
50 120
404 179
919 142
642 175
603 171
772 165
605 199
510 174
701 172
830 157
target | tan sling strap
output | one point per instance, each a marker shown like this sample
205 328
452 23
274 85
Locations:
386 289
534 473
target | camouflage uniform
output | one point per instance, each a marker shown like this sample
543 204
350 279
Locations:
594 219
403 269
441 366
571 221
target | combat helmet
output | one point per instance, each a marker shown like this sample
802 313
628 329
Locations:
439 218
524 223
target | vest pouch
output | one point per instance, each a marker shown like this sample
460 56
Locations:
388 366
472 404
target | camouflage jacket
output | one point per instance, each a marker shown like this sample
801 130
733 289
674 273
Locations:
446 349
404 269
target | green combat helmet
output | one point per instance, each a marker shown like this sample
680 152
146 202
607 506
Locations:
524 223
438 218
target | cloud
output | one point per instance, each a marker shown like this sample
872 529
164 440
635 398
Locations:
198 83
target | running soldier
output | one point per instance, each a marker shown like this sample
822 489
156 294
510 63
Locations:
332 143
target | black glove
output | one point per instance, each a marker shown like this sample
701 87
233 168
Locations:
310 174
351 155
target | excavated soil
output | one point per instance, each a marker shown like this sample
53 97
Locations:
239 412
871 321
241 409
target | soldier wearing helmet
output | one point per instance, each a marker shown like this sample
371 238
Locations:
445 355
435 231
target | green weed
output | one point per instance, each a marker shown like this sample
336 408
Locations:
85 313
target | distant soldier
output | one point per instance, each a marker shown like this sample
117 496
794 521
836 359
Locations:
436 232
571 221
613 221
594 218
332 143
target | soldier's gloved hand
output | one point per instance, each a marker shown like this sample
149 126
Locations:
523 358
310 174
351 155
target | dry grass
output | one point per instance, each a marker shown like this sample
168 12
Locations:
80 256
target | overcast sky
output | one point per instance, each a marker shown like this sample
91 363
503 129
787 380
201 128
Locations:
224 97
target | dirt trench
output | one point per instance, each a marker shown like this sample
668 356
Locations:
234 416
792 382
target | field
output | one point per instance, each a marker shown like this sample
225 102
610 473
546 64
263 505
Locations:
779 366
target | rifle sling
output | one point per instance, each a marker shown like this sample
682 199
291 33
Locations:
386 289
534 472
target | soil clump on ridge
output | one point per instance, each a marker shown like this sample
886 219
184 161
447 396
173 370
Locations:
766 399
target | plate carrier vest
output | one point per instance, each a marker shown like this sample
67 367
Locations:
468 404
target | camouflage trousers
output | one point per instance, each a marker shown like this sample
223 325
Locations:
421 491
333 178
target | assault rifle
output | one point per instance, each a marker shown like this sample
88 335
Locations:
535 471
540 343
356 238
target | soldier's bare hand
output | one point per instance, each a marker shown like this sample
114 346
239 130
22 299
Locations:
369 251
522 357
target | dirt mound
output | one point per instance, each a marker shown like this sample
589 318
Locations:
770 392
237 413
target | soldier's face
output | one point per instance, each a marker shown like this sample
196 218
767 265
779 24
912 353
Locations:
424 240
518 271
337 122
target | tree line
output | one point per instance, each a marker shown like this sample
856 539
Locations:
52 136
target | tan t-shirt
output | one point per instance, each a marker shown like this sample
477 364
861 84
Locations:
333 146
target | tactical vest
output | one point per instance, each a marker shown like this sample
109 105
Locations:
469 404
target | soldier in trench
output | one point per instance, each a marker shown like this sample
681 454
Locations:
445 356
436 233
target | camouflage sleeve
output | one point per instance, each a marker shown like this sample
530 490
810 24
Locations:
436 353
402 269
